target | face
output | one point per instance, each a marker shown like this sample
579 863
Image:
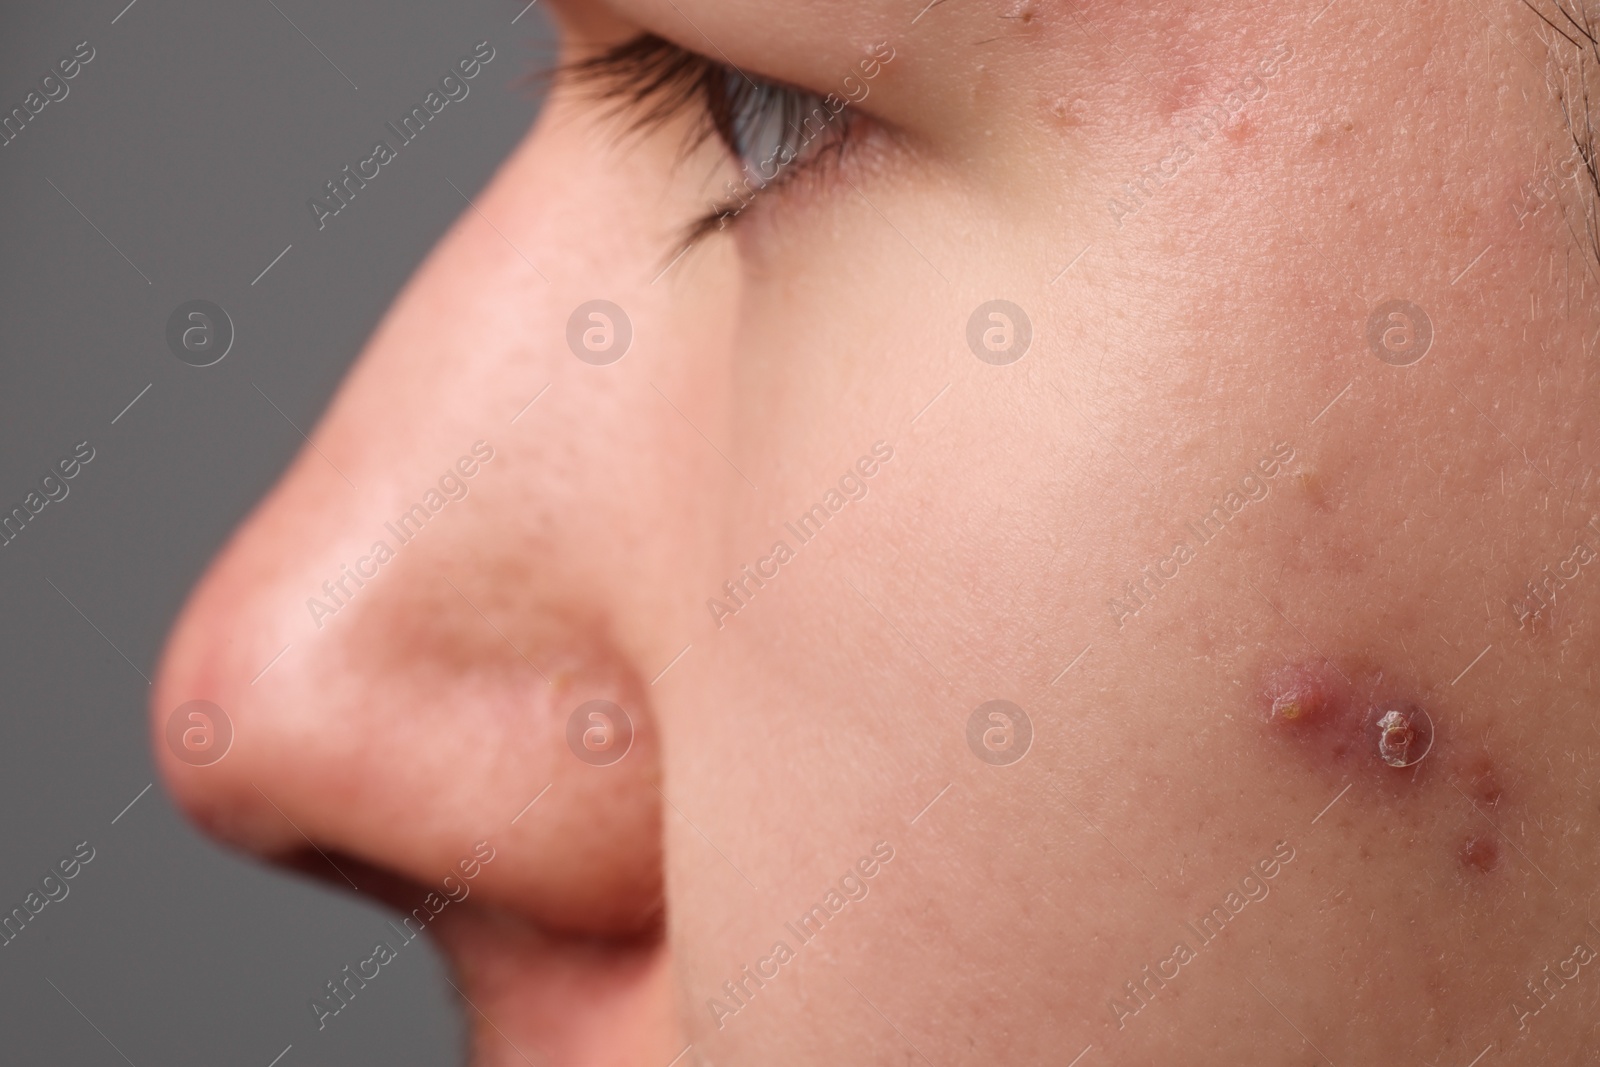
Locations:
1087 548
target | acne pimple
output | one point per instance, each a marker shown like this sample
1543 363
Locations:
1404 734
1312 489
1302 696
1353 724
1338 719
1065 112
1480 852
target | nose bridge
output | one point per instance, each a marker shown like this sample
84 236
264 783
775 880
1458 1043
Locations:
551 328
399 635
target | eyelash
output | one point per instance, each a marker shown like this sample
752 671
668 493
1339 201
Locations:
655 81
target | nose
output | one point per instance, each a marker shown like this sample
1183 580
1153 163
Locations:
398 644
418 649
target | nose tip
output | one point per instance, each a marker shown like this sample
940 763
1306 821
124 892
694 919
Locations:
207 737
435 709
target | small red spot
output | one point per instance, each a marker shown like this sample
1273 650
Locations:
1312 488
1183 92
1480 852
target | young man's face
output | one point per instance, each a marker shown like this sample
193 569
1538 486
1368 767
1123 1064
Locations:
1091 556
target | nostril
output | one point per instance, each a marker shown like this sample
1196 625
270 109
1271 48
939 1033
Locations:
427 906
373 769
345 871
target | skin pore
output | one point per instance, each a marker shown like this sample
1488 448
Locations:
1205 532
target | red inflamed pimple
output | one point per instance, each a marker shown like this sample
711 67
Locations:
1305 698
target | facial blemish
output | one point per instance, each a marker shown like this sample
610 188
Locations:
1065 112
1385 737
1480 852
1345 719
1312 489
1303 697
1403 734
1024 12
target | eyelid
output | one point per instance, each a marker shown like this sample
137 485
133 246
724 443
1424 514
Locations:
647 76
657 80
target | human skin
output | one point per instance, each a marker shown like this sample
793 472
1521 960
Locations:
1221 315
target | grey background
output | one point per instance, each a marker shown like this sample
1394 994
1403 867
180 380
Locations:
192 141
